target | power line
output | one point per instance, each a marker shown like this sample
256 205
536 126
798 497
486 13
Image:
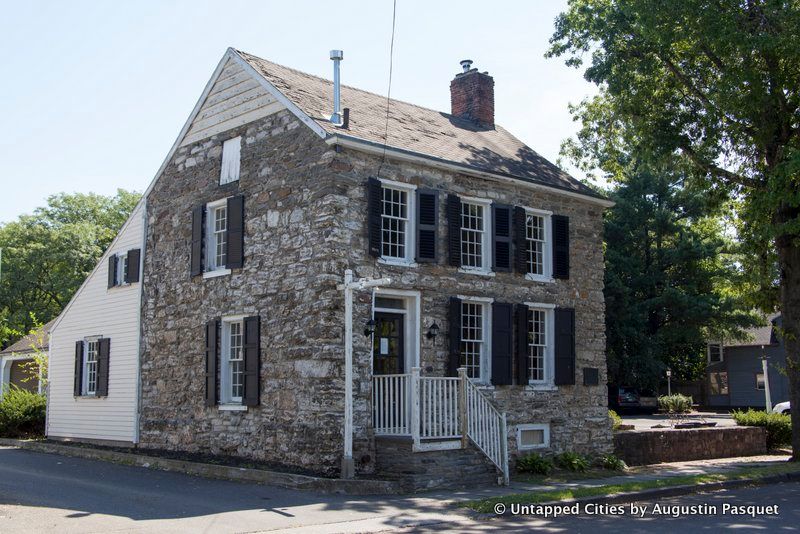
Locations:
389 90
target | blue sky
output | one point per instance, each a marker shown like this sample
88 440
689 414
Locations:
94 93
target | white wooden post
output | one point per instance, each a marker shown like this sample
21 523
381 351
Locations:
348 467
462 406
415 407
765 367
504 447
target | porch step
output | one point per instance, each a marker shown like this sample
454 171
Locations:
418 471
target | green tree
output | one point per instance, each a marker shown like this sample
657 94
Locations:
47 255
668 266
711 84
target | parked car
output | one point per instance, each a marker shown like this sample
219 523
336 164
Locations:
648 401
629 399
782 407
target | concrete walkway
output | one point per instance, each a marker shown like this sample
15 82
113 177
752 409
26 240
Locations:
46 492
644 422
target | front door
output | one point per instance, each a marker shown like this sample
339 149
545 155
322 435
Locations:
388 344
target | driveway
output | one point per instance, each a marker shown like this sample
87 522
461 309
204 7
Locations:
641 422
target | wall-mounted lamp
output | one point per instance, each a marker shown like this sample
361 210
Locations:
433 331
369 327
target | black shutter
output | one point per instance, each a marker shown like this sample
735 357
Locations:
501 238
502 325
454 230
427 219
102 367
112 270
132 276
198 216
565 346
235 232
252 361
374 211
522 345
212 329
454 317
78 369
560 247
520 240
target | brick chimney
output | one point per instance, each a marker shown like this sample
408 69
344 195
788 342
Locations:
472 95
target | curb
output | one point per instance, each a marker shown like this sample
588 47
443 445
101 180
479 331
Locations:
674 491
223 472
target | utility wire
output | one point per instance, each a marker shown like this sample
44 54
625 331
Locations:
389 90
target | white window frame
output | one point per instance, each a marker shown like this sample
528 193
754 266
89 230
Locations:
231 161
122 268
721 353
545 428
547 247
485 367
486 239
763 381
548 383
408 260
227 399
211 267
85 383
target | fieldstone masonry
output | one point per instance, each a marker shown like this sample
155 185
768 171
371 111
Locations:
305 223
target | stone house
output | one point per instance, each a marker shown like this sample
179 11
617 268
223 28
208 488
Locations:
483 340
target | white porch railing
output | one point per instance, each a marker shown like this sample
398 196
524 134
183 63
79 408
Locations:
390 405
439 413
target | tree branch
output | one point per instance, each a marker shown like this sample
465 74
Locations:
730 177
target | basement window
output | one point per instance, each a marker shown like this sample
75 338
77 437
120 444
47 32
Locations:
533 436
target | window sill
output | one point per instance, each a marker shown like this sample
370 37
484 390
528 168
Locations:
232 408
540 278
87 397
397 262
533 447
541 387
215 273
479 272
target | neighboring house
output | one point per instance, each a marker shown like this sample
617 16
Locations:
94 349
17 364
494 257
735 371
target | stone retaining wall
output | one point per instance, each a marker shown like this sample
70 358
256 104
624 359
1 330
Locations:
643 447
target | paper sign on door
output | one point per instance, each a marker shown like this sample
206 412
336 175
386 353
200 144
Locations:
384 345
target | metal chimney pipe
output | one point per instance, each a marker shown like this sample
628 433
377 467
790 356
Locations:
337 56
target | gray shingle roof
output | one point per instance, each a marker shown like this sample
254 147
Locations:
25 344
760 335
417 129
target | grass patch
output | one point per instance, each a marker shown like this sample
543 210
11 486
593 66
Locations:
487 505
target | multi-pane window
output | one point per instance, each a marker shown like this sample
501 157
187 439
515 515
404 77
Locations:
122 268
472 338
394 223
718 383
473 235
90 367
218 238
535 236
537 344
715 353
236 361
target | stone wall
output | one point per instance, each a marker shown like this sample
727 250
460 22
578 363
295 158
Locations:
644 447
305 223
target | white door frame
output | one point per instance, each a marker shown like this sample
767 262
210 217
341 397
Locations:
411 326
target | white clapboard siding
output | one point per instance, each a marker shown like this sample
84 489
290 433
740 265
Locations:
97 310
236 98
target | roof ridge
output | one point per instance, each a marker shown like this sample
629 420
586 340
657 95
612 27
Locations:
353 87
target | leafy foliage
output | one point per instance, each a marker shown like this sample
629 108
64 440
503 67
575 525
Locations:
572 461
675 403
610 462
47 255
778 425
616 420
535 463
22 413
668 272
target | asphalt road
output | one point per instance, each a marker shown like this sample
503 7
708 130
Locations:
50 493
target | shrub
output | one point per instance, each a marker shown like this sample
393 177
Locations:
22 413
572 461
536 464
778 425
675 403
610 462
616 420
